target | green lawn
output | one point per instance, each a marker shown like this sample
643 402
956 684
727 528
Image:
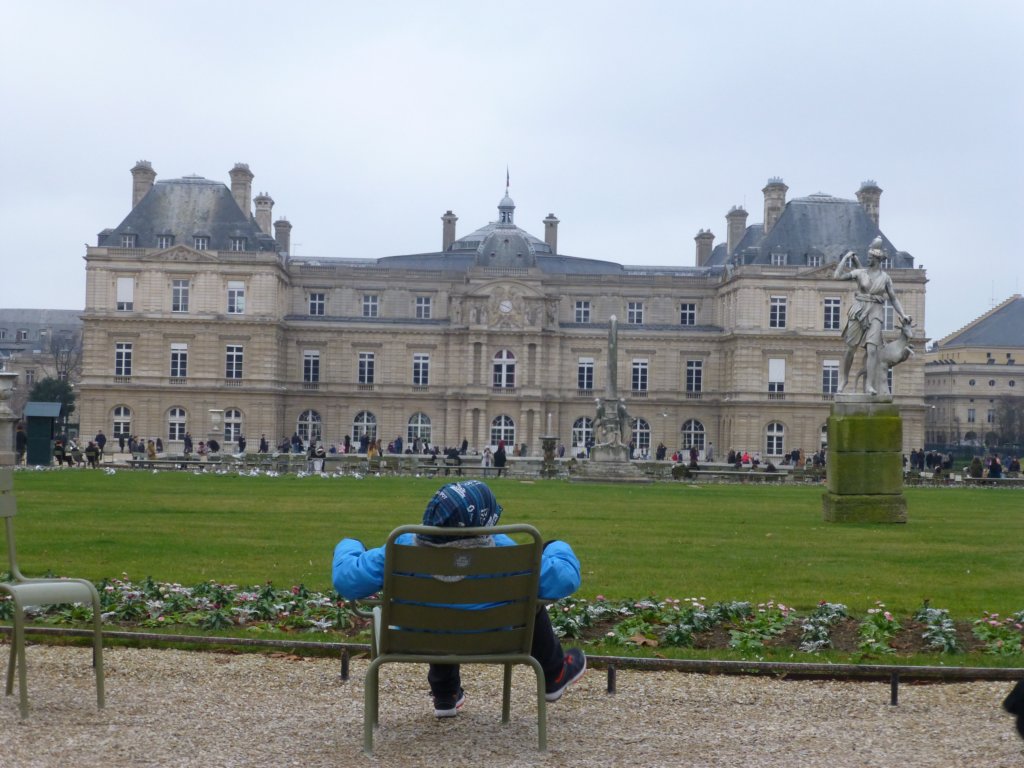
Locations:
963 548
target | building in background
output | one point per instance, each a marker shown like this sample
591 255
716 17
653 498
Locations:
974 382
38 344
194 304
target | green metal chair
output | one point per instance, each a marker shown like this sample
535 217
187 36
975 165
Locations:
457 605
27 592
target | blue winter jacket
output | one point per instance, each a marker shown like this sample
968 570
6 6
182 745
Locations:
359 572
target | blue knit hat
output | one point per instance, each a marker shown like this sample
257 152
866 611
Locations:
468 504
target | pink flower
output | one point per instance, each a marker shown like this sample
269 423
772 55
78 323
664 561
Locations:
888 616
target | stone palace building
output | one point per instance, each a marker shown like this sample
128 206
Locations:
195 306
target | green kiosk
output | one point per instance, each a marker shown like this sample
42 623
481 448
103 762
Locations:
41 420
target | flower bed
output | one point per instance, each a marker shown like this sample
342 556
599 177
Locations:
747 629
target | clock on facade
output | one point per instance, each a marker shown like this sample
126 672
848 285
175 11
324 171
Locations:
505 306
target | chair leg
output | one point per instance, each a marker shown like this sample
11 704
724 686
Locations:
19 643
12 664
542 710
97 651
370 705
506 695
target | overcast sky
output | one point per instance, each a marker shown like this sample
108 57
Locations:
637 124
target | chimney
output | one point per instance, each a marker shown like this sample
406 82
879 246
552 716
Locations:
705 242
283 235
774 202
551 232
868 196
736 221
241 187
448 230
143 177
264 209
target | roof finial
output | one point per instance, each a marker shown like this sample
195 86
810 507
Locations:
506 179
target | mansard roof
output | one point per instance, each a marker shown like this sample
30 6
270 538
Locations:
1002 326
186 208
818 224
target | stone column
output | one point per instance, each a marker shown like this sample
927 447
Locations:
8 420
865 462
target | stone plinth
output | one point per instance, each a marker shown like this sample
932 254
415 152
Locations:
865 462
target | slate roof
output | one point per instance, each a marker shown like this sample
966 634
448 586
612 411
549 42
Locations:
55 321
816 224
1002 326
185 208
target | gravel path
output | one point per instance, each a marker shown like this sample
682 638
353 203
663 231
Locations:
177 708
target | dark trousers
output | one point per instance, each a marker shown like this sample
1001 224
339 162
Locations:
444 679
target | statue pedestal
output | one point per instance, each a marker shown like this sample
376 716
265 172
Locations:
548 468
610 452
865 462
609 463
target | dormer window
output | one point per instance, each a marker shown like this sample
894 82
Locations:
201 242
128 241
164 241
237 243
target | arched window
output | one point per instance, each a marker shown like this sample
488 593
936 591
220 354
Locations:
364 423
503 428
641 438
774 434
122 421
176 423
693 435
309 426
504 370
232 425
419 426
582 432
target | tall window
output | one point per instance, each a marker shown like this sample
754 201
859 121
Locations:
687 313
237 243
420 369
583 311
125 294
694 375
582 432
774 439
233 361
971 415
365 423
641 438
640 375
776 378
179 361
309 426
419 426
693 434
123 358
423 307
201 242
179 295
832 317
829 377
503 428
366 361
371 303
122 421
176 423
30 377
317 303
504 370
585 373
232 425
777 312
310 366
236 297
635 313
890 317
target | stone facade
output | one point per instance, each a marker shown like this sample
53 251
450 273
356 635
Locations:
968 372
480 341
